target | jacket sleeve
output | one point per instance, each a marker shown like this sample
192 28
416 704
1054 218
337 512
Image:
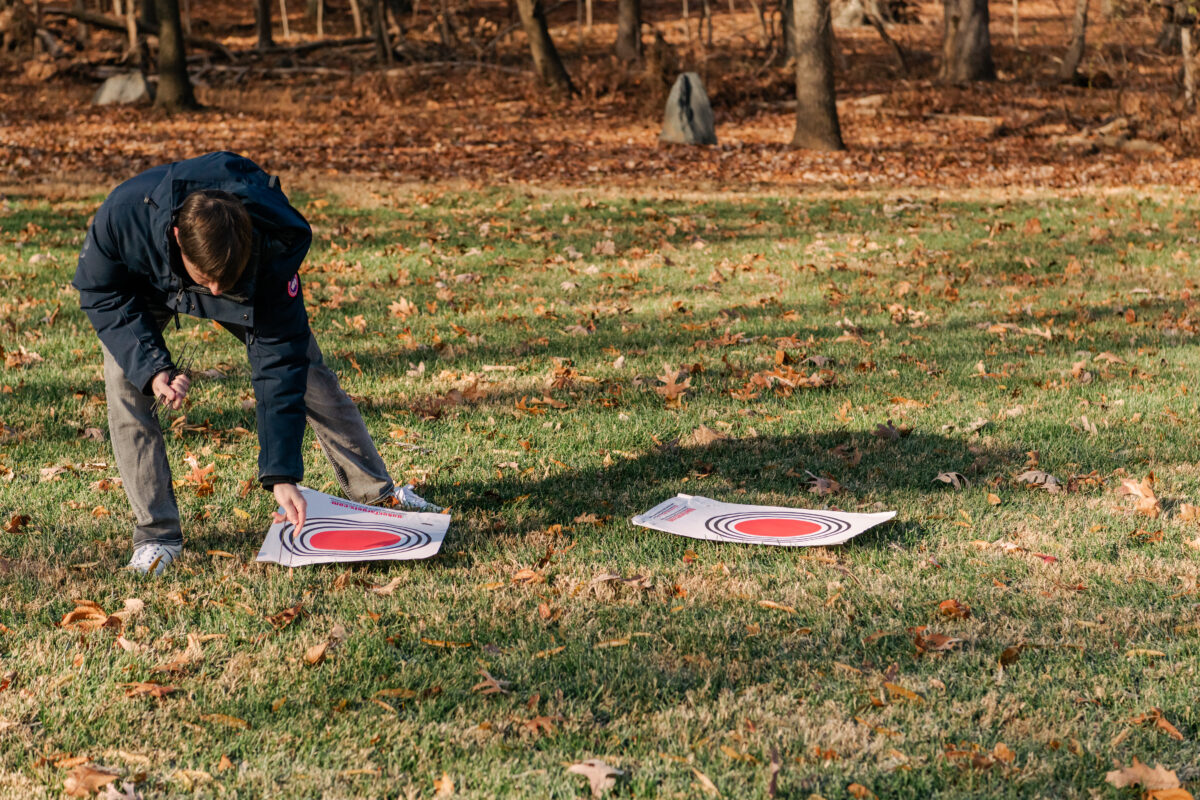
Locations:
108 295
278 355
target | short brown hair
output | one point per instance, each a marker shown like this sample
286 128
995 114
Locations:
215 235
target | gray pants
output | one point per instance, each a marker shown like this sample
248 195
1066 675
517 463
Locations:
141 454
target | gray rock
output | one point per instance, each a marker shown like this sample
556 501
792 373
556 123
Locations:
128 87
688 118
849 13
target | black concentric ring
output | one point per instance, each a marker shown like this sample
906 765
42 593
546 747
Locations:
409 539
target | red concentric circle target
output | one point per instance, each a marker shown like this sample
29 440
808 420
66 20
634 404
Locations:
322 536
777 527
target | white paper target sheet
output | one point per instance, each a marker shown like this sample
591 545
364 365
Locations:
704 518
337 530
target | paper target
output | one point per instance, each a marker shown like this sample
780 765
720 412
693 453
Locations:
703 518
337 530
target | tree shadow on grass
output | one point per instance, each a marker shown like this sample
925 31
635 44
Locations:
767 470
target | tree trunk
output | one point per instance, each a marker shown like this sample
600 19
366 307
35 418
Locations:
1189 66
148 14
262 23
82 29
283 19
629 30
787 21
1070 65
356 12
817 125
131 28
545 56
174 85
383 43
966 44
446 26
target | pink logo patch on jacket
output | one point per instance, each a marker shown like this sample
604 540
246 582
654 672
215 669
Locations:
294 285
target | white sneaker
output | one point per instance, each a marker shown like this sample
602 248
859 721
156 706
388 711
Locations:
409 500
153 558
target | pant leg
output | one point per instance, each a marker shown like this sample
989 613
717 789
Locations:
339 429
343 435
141 453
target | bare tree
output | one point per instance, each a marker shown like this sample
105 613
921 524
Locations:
966 44
817 126
1188 51
262 23
1069 71
629 30
174 85
545 56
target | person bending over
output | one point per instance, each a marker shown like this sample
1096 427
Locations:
215 237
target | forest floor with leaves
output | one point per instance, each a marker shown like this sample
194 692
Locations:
338 114
1015 378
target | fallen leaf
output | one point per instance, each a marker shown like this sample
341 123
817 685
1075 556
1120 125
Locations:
490 684
601 777
702 437
1010 654
316 654
705 783
672 389
1139 774
133 607
896 690
148 688
83 781
822 486
128 791
777 606
1146 502
1041 480
445 643
933 642
387 589
17 523
225 719
443 786
955 479
1141 651
890 432
286 617
193 654
994 499
1169 794
954 609
87 616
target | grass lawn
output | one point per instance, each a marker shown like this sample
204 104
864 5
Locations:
506 349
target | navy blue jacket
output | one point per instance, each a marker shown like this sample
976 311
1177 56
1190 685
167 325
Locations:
129 269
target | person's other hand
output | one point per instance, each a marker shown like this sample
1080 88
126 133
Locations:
171 392
292 503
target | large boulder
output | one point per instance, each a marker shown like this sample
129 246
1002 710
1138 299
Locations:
128 87
688 118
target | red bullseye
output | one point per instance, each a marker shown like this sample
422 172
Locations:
352 540
779 527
